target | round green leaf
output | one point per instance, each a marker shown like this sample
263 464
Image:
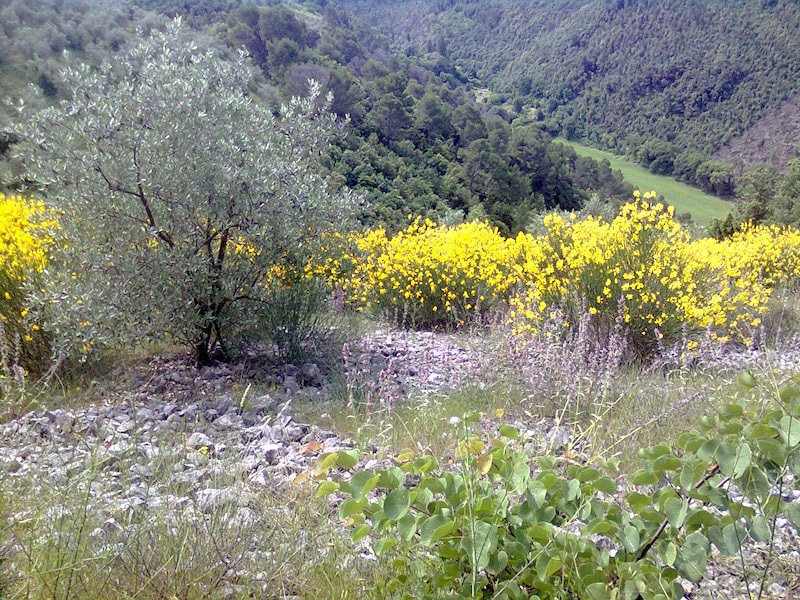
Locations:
725 455
670 554
391 478
484 463
630 538
360 533
362 483
573 489
435 528
350 507
326 488
601 526
790 431
347 459
743 457
384 545
691 562
509 432
676 511
605 485
644 477
667 462
407 527
546 566
760 529
746 380
327 461
754 483
397 504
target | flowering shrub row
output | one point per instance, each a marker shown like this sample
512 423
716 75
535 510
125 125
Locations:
25 228
641 267
426 274
641 270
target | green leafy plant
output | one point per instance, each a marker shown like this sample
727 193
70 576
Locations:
503 524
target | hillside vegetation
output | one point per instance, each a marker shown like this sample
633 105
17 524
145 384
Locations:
258 340
415 140
668 83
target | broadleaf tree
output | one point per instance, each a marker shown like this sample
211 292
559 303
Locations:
181 198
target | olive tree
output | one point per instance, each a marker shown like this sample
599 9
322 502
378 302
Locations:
181 198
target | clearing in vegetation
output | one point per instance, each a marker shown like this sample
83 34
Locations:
685 198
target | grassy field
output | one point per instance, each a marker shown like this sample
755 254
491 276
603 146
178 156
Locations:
685 198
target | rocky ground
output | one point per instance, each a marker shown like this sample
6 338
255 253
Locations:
180 445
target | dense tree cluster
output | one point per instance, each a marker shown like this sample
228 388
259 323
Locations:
416 140
39 39
666 82
765 196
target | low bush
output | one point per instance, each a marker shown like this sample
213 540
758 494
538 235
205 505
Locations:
642 266
296 318
665 281
503 524
426 274
25 237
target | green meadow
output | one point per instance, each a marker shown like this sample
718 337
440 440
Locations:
685 198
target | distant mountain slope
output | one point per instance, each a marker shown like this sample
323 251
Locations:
416 140
773 139
652 79
38 39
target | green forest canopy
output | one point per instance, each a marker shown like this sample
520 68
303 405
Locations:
416 141
667 82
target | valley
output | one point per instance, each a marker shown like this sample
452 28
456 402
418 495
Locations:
701 206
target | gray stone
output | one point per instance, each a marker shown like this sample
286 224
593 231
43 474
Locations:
558 438
285 413
259 405
144 414
290 385
251 418
64 422
223 404
112 526
311 374
12 466
209 500
225 422
125 426
272 453
198 440
44 427
138 491
142 471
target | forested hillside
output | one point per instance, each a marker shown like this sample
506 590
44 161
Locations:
667 82
416 141
33 40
